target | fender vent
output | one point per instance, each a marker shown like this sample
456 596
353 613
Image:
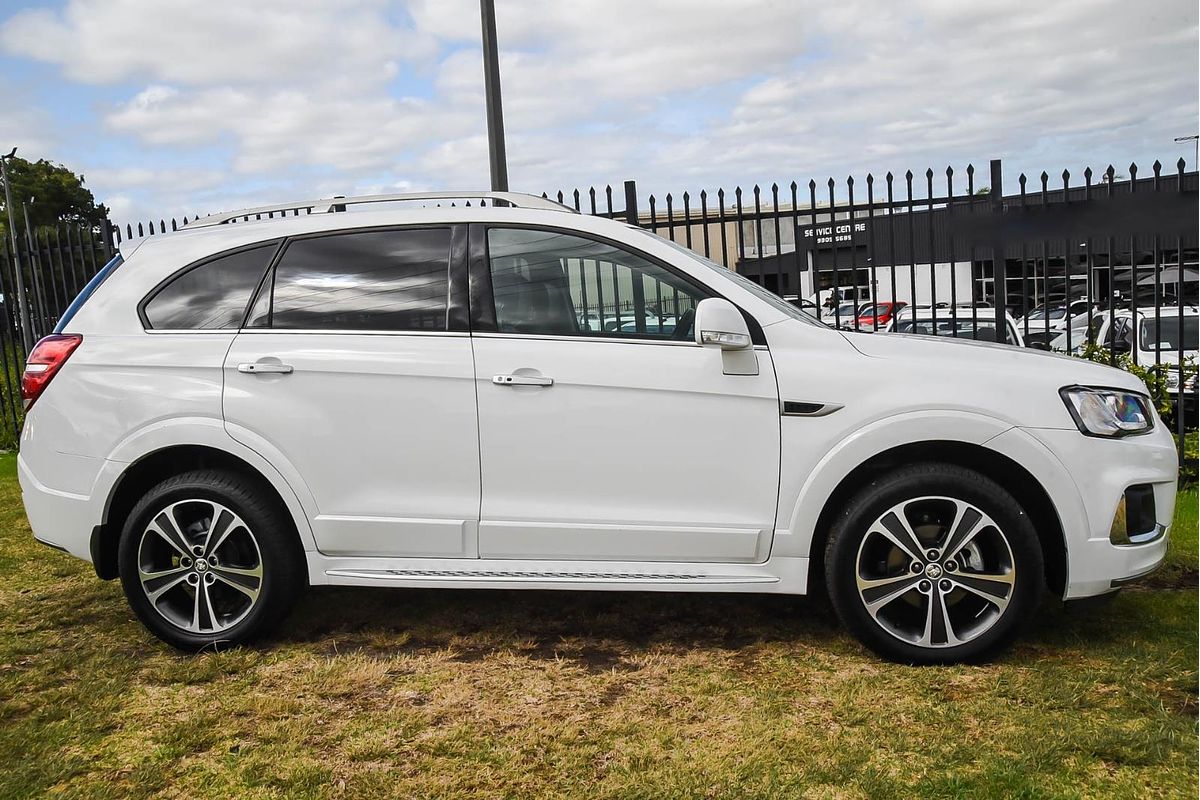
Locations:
800 408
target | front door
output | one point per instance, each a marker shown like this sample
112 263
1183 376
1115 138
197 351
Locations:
623 441
347 372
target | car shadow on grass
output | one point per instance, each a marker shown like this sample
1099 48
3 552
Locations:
600 630
605 630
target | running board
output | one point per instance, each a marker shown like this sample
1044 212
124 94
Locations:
512 576
778 575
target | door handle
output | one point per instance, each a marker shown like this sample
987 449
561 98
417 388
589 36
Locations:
521 380
260 367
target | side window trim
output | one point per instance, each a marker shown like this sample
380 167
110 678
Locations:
179 273
268 280
457 310
482 299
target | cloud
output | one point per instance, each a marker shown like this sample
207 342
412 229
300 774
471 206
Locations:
279 129
278 99
200 44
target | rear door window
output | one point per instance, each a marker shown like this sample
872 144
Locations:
395 280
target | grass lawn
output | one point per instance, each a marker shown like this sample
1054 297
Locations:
444 693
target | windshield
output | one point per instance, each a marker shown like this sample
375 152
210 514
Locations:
1163 334
766 296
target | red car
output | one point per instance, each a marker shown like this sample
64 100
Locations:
877 315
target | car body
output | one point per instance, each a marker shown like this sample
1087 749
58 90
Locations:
407 398
650 325
1155 336
841 316
962 322
1149 335
1047 320
877 315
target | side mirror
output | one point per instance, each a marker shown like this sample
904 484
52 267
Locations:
720 324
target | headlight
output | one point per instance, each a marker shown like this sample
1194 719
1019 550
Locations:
1108 412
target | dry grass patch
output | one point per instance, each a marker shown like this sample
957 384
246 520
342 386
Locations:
529 694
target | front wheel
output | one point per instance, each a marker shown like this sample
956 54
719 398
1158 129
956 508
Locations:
934 563
207 559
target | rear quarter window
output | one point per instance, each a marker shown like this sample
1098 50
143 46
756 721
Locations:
212 295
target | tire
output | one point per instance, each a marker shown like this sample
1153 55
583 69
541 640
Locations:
212 588
942 607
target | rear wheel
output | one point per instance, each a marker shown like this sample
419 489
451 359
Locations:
208 559
934 564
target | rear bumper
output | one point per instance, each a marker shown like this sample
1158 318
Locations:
58 518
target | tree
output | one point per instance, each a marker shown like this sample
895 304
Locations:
58 195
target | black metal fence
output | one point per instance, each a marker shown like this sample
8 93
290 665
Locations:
1103 264
39 277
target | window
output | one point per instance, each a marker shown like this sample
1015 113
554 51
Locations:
552 283
1163 333
772 299
370 281
212 295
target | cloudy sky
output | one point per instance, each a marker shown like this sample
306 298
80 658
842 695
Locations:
179 106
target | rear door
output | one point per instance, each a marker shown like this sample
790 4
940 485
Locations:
352 370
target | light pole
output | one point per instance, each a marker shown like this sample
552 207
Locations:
1193 138
491 88
16 251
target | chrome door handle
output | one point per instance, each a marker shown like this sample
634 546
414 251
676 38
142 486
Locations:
521 380
258 367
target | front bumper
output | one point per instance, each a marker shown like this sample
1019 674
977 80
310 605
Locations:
1092 477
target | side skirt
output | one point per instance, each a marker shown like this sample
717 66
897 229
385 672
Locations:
778 575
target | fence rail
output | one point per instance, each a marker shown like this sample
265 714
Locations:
950 249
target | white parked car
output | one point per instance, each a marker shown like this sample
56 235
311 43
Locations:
402 397
1045 322
963 322
1057 315
1149 337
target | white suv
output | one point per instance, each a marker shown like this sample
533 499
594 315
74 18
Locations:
407 398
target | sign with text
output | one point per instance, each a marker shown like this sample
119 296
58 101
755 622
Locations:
833 234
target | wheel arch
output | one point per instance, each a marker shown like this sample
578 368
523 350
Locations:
1002 469
152 468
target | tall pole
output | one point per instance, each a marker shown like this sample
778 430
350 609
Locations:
22 300
491 88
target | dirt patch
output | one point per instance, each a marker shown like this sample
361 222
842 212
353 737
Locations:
1169 578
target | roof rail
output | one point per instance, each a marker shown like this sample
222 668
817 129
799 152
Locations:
332 204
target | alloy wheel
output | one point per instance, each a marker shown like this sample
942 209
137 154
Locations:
935 572
200 566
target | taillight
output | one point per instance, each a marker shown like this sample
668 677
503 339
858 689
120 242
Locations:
44 362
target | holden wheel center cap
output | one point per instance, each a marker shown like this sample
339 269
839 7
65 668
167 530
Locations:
933 571
201 565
